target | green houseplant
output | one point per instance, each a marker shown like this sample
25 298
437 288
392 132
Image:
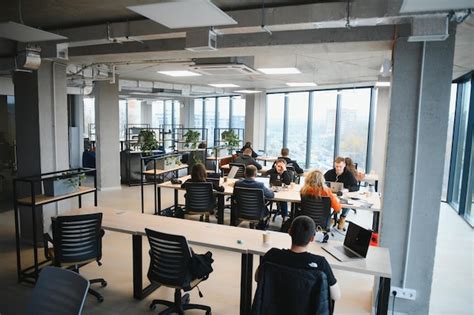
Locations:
64 184
191 139
147 140
230 138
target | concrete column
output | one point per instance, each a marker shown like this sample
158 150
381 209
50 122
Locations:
41 133
145 110
3 118
186 112
380 133
416 143
255 120
107 135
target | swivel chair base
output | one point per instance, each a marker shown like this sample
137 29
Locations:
180 304
93 292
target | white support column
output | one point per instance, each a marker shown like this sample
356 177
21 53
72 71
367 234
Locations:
255 119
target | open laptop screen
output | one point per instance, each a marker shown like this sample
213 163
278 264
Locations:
264 180
357 239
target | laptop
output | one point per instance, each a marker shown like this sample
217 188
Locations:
233 171
213 178
264 180
336 186
275 180
356 244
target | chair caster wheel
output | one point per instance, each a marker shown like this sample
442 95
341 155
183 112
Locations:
208 313
103 284
100 299
152 307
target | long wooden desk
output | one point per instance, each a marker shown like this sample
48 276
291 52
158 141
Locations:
247 242
266 159
292 194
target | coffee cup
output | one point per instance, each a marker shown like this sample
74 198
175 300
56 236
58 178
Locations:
266 237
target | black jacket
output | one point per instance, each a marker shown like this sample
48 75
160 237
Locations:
285 178
215 186
283 290
347 178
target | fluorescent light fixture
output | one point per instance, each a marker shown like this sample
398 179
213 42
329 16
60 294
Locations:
382 83
184 13
180 73
301 84
223 85
248 91
279 70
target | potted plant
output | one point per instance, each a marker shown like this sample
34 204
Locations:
147 140
231 139
64 184
191 139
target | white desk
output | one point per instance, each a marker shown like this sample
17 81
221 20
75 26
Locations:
247 242
266 159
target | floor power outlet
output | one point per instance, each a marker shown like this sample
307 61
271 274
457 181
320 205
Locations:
404 293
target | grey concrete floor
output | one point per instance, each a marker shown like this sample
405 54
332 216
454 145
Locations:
452 290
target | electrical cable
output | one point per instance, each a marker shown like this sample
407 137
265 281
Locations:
394 293
19 12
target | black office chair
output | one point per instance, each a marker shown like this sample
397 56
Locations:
283 290
199 199
241 172
77 241
249 205
318 209
170 259
58 291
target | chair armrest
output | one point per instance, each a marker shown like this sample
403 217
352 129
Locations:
47 239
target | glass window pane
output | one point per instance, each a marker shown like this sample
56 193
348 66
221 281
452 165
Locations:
449 140
89 118
323 129
168 113
197 122
177 113
298 125
134 112
274 128
122 118
157 113
210 119
464 113
238 112
354 125
223 106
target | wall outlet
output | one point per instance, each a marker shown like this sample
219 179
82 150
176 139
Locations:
404 293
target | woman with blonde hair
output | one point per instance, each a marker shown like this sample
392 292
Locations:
314 185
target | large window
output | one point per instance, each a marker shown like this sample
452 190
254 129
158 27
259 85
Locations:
157 113
449 141
354 125
323 128
461 182
89 118
275 124
217 114
338 122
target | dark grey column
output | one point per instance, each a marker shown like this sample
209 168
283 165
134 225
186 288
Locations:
41 132
107 135
416 143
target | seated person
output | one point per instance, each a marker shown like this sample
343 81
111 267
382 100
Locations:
314 186
350 166
280 172
302 232
199 175
248 144
247 159
250 182
340 174
289 162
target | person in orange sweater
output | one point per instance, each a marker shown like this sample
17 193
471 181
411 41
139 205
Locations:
314 185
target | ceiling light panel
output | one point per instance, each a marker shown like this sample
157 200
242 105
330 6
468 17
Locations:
23 33
279 70
184 13
224 85
248 91
301 84
180 73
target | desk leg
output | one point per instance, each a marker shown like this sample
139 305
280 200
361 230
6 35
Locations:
376 185
383 296
158 196
246 284
220 208
375 221
139 292
175 199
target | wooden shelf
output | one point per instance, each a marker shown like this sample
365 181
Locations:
42 199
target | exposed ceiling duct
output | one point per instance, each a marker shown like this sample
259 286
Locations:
224 66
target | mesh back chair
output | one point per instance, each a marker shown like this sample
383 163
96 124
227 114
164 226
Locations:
283 290
249 205
199 199
241 172
58 291
170 259
318 209
77 241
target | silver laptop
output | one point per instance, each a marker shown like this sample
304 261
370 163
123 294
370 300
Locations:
356 244
336 186
233 171
264 180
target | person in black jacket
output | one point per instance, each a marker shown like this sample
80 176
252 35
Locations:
289 162
302 232
248 144
279 172
246 159
340 174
